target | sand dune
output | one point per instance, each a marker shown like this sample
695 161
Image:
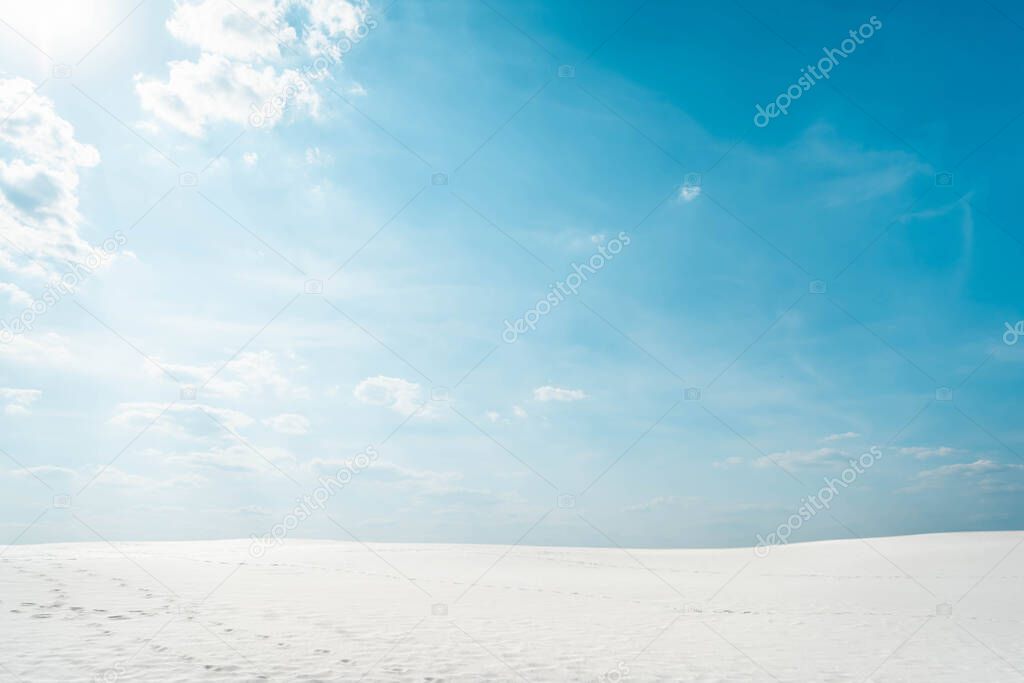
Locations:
945 607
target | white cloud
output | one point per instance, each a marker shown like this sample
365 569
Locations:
424 479
395 393
17 296
252 511
841 437
796 459
44 350
18 401
925 452
223 28
260 371
445 486
550 393
848 173
728 463
288 423
251 53
659 502
103 475
233 458
108 475
216 89
495 417
185 420
330 20
389 474
251 372
39 163
46 472
987 475
979 466
689 192
315 157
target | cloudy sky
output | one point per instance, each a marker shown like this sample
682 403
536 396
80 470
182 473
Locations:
574 273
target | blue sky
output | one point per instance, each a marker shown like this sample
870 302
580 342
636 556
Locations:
437 169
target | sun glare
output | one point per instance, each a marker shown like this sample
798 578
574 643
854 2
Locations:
63 29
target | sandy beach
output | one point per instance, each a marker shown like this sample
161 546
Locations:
945 607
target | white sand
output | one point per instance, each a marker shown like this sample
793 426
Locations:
321 610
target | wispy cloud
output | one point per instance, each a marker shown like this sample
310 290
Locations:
395 393
184 420
18 401
550 393
819 457
660 502
841 437
925 452
291 424
987 475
